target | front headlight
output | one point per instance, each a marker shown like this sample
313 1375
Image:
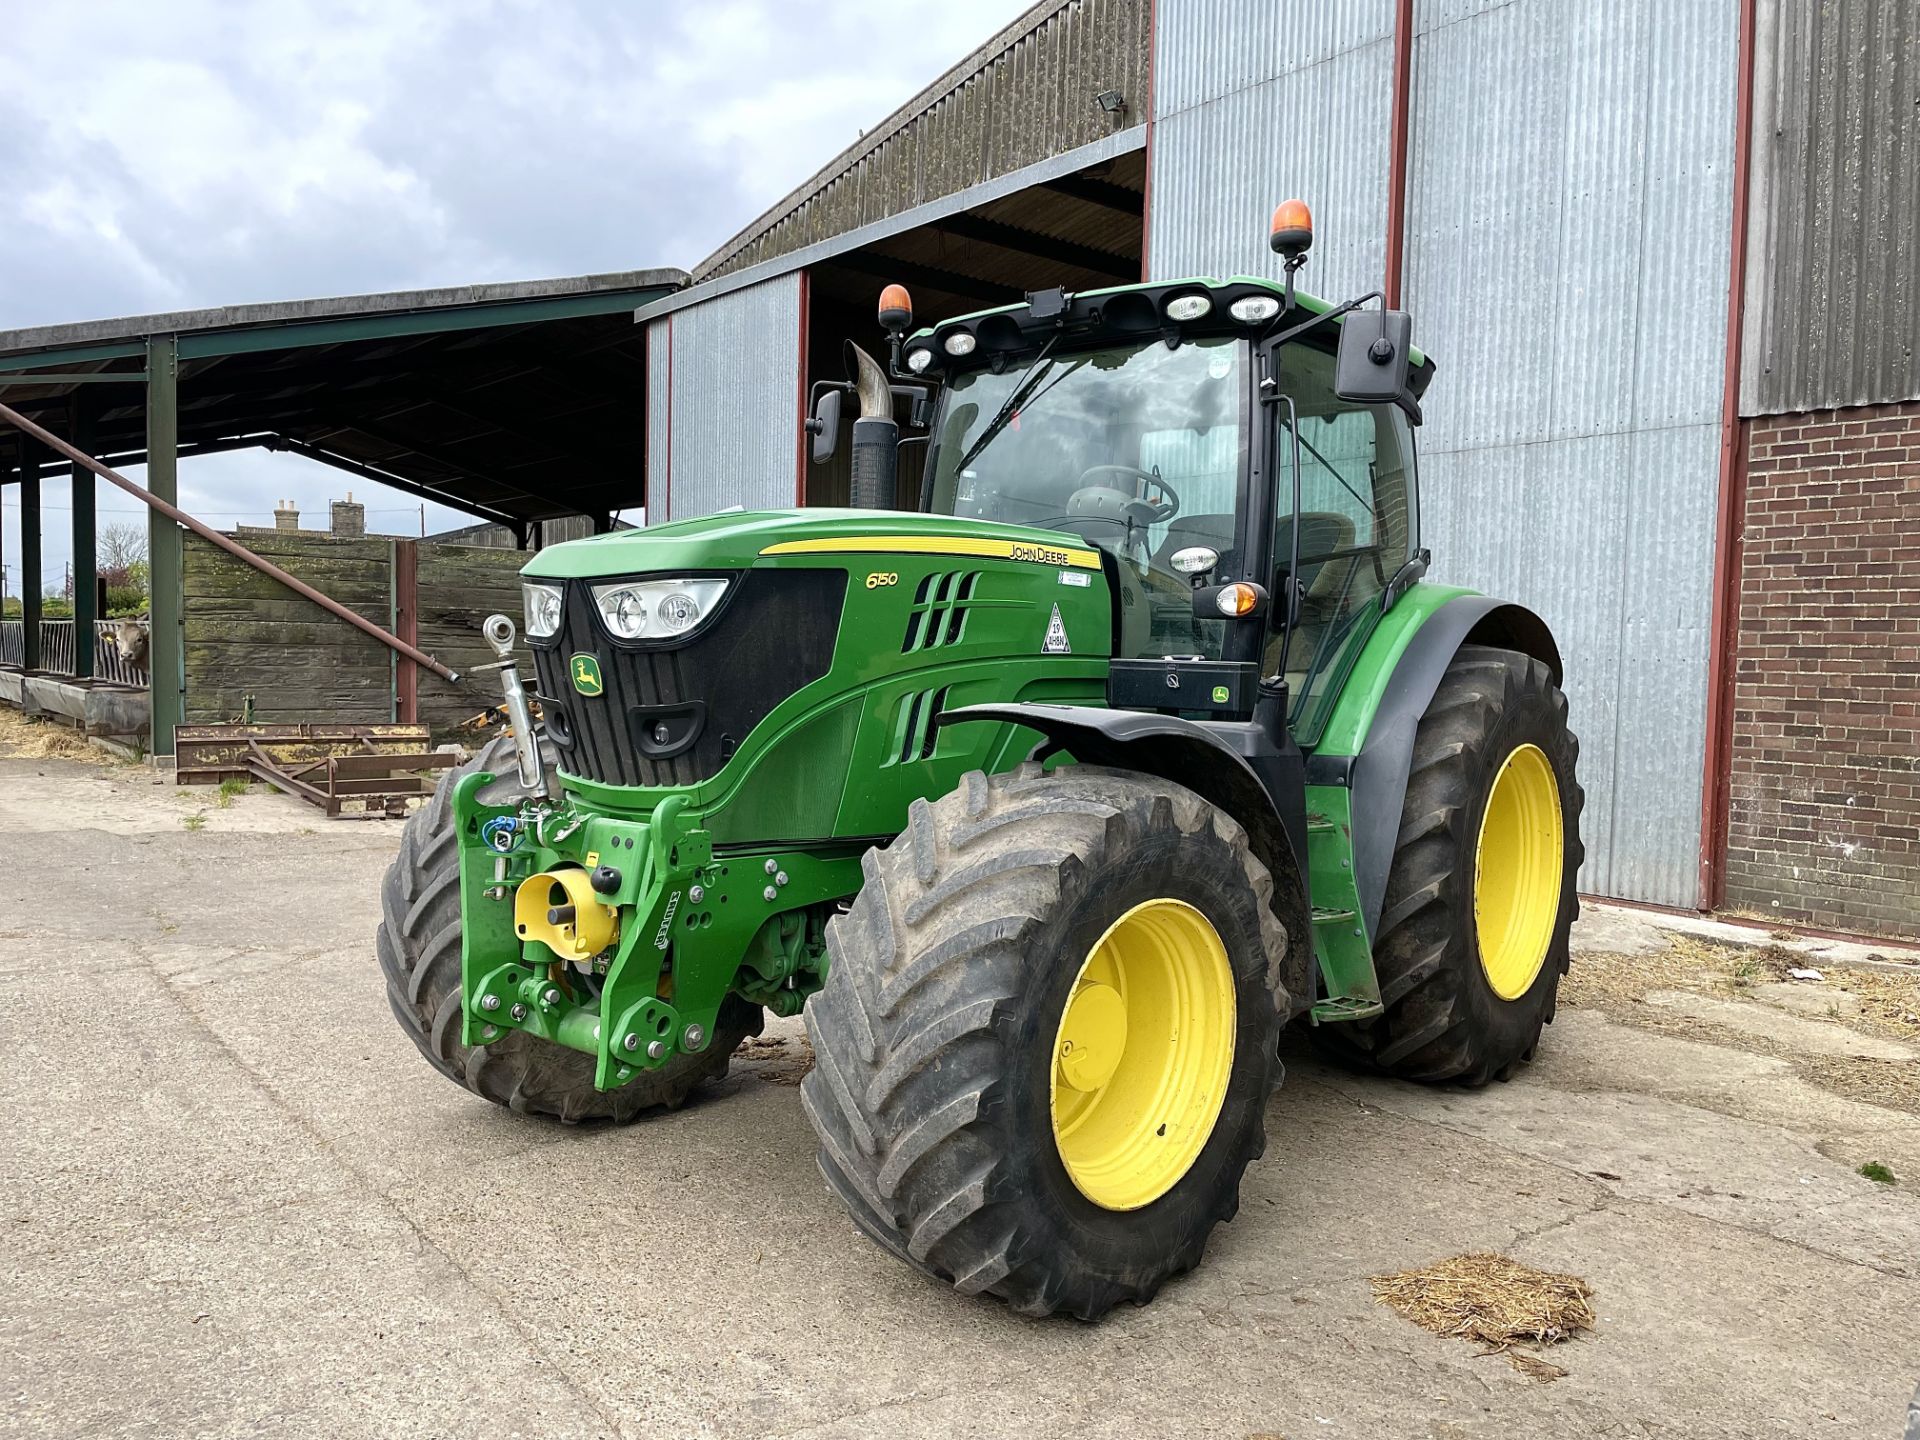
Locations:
543 610
656 609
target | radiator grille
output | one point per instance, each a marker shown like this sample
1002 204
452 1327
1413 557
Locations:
675 716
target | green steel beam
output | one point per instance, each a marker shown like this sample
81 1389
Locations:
117 377
85 558
29 562
165 657
424 322
73 355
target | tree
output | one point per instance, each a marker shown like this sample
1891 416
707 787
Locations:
119 546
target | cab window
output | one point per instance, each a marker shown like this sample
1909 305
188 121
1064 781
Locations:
1355 528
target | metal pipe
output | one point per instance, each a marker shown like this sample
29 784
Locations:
526 750
1716 782
1397 151
876 438
227 543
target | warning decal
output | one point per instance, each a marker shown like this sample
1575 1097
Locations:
1056 641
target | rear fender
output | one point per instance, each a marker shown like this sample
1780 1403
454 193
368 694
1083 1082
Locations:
1377 773
1204 759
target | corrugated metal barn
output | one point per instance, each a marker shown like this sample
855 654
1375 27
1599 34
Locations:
1558 192
1664 256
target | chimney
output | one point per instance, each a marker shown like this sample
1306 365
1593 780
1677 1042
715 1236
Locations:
285 517
349 518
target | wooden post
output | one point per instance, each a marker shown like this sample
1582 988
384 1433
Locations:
165 655
406 624
85 560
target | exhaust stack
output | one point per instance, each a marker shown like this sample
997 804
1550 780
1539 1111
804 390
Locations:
876 437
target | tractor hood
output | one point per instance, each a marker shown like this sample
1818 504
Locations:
738 539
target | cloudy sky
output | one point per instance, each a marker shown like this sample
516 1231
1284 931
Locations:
211 152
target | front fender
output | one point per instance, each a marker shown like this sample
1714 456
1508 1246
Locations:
1368 746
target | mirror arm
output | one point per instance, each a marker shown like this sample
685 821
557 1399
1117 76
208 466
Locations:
1322 318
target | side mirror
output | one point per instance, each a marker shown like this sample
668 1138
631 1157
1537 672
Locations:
825 425
1375 351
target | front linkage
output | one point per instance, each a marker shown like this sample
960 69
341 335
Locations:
619 937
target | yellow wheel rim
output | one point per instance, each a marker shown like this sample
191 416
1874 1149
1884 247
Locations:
1142 1055
1517 872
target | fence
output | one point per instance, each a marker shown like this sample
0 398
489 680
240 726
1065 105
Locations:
56 650
254 649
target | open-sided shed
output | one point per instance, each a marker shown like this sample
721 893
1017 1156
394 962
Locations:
516 403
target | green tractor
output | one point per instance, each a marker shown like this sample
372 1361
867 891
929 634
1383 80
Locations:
1050 803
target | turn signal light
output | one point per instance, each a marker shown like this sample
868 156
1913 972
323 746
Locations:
1292 232
896 310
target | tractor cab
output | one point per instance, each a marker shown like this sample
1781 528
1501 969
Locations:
1241 455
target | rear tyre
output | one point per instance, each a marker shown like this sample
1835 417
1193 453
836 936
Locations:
1047 1038
419 947
1473 935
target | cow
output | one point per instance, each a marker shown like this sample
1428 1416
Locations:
130 639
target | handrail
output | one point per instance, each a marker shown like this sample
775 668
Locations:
227 543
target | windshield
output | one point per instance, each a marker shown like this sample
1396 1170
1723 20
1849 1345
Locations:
1135 448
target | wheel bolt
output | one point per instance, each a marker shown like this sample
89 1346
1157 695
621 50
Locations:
773 867
769 893
781 878
489 1002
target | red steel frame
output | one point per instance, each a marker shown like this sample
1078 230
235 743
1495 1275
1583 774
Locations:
1729 518
800 445
1397 163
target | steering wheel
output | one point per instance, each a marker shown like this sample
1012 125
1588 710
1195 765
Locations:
1162 510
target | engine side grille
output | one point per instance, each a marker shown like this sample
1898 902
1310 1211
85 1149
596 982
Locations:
938 615
675 716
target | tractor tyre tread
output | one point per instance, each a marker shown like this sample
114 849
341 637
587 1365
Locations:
918 1027
1442 1024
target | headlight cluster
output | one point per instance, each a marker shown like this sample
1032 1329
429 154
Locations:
543 610
656 609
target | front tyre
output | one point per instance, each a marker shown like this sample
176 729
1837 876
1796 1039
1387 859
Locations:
419 949
1481 899
1047 1038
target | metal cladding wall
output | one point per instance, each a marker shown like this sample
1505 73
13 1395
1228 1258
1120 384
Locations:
723 379
1833 276
1570 214
1254 102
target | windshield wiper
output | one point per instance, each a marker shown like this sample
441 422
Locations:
1010 406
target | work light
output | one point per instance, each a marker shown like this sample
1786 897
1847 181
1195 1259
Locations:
1188 307
657 609
1252 309
918 360
542 609
960 342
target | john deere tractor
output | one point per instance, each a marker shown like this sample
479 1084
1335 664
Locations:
1049 801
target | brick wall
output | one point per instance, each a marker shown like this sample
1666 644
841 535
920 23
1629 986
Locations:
1824 825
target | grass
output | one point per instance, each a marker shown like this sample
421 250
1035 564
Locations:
230 787
1496 1301
195 821
1878 1173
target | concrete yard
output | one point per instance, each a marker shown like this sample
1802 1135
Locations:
235 1201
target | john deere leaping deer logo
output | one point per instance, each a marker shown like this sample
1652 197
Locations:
586 675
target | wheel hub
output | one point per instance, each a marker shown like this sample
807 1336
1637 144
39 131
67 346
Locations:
1143 1054
1517 867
